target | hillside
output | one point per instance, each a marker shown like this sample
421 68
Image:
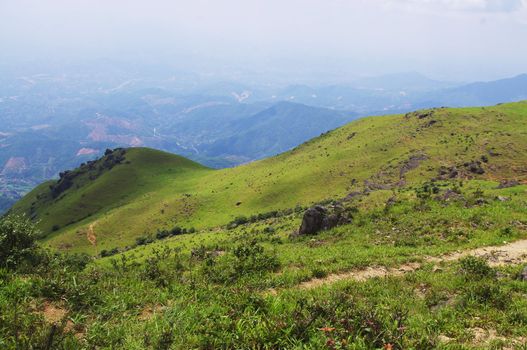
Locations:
373 153
421 244
120 177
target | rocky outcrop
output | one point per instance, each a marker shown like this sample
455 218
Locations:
319 218
508 183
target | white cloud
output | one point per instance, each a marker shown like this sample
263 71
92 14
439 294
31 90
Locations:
462 5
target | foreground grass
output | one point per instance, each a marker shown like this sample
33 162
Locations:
211 290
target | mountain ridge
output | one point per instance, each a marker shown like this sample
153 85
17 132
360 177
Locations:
369 154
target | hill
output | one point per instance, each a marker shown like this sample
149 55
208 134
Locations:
119 177
417 241
154 190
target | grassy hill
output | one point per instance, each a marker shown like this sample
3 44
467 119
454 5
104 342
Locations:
152 190
120 177
432 255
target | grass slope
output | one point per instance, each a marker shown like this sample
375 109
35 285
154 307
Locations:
158 191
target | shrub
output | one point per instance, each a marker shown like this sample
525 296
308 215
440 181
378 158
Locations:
474 267
143 240
247 259
175 231
486 292
162 234
239 220
105 253
17 241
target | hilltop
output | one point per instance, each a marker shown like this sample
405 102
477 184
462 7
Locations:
153 190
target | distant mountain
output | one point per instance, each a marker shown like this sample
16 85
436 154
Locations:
276 129
480 94
411 81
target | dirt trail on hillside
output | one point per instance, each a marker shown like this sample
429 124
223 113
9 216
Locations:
90 235
512 253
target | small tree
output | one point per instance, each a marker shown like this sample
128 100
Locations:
17 240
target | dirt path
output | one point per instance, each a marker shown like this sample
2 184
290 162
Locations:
90 235
512 253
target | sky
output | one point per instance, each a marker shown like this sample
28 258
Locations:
458 40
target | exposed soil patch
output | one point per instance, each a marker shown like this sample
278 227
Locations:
86 151
15 165
150 311
484 337
90 235
512 253
53 313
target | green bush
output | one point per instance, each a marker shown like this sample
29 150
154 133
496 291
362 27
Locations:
162 234
246 259
474 267
17 241
176 231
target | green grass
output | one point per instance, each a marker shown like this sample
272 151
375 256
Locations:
153 193
212 289
238 287
406 232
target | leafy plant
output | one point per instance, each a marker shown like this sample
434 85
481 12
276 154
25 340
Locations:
17 241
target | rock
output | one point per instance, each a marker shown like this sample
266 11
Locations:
449 195
508 183
503 198
390 202
523 275
352 135
420 114
313 220
412 163
352 195
320 218
481 201
493 153
444 339
475 167
446 173
430 123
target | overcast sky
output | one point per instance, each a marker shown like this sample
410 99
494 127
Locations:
446 39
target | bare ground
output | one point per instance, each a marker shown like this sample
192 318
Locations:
90 235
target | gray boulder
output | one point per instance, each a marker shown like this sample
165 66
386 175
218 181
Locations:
313 221
320 218
523 275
